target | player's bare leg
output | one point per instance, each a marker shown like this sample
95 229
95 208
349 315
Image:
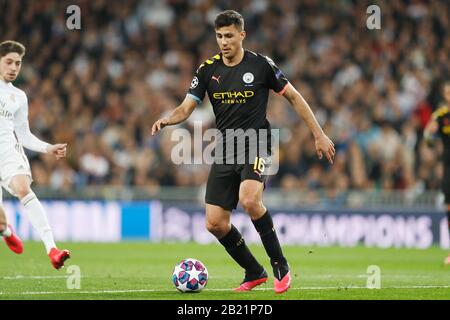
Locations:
6 231
3 222
447 259
250 196
219 224
20 184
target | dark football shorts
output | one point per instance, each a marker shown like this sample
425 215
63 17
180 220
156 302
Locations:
446 184
222 188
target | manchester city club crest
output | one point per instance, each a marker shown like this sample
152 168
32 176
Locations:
248 77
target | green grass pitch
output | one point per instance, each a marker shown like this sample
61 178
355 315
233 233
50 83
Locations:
137 270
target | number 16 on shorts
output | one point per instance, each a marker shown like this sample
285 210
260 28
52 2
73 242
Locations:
259 166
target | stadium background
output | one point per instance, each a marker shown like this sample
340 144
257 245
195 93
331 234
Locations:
102 87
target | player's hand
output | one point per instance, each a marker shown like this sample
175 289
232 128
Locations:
325 146
59 150
158 125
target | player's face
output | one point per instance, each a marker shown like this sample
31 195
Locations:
229 39
10 65
447 93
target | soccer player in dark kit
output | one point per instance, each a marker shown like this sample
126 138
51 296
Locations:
238 82
439 125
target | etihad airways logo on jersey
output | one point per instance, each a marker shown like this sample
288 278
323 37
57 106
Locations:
231 97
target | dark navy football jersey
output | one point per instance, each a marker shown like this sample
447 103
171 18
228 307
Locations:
238 94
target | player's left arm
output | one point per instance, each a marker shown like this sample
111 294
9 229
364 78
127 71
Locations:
324 145
29 140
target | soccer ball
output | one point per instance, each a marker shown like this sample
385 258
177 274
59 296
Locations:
190 275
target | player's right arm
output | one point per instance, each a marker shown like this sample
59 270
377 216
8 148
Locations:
181 113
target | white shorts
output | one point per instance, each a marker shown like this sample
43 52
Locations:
13 162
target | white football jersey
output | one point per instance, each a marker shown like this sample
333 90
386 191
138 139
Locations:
14 119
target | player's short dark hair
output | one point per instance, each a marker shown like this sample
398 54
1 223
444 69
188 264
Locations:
229 17
11 46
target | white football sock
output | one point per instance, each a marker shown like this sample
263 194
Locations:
38 219
6 233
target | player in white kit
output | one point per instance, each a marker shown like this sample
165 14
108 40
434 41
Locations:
15 172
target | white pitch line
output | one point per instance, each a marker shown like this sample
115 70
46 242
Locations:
20 277
221 289
322 276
